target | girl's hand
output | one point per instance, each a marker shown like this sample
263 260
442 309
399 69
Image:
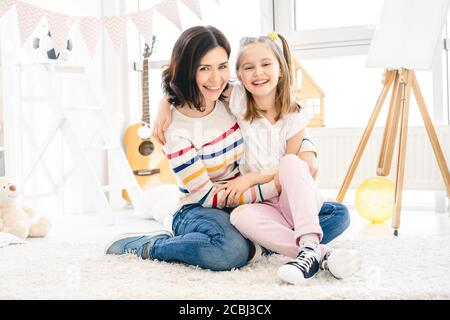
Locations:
232 191
311 160
162 121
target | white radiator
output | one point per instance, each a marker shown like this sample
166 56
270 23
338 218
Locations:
337 147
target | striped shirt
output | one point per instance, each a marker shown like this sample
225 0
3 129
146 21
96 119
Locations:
204 152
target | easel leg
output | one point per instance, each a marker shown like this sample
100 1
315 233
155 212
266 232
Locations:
388 79
405 82
387 128
431 133
390 131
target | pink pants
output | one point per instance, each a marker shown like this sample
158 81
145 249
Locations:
279 223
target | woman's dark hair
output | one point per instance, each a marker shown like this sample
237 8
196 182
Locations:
178 79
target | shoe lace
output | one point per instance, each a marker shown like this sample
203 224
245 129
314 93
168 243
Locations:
305 259
130 251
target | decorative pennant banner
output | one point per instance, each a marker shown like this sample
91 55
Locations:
5 6
29 16
59 25
169 9
116 27
144 23
90 31
194 5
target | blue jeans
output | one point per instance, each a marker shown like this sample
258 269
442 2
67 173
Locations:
205 237
333 219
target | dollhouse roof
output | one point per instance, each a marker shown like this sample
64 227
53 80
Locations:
307 75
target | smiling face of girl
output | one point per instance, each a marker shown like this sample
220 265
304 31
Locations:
264 67
259 70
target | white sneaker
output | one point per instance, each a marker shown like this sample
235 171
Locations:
302 268
342 263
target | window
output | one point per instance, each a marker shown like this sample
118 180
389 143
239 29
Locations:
335 14
312 105
333 48
312 26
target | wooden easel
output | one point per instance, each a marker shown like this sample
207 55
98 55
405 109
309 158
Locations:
401 80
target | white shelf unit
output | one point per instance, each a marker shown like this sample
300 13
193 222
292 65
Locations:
40 179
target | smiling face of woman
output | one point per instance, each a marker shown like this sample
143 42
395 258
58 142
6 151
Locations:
212 75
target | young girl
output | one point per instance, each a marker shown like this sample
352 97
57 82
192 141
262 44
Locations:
268 119
265 107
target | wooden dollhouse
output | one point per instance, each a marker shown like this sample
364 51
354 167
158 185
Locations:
309 94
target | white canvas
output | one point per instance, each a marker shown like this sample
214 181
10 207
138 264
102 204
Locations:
407 34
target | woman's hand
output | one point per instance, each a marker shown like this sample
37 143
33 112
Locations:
232 191
311 160
162 121
276 180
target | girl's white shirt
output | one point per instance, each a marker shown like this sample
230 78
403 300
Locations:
265 143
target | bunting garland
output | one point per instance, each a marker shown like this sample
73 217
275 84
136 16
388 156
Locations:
116 29
169 9
194 5
59 25
144 23
29 16
5 6
90 31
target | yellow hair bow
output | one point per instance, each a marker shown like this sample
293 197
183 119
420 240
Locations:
272 36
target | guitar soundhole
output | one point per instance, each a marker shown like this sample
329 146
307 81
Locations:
146 148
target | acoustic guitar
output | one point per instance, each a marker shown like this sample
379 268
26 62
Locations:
145 155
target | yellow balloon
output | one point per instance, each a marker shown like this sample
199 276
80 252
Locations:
374 199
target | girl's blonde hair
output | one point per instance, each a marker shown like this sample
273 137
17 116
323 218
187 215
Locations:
284 99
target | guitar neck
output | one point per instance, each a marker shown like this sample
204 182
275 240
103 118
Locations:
145 93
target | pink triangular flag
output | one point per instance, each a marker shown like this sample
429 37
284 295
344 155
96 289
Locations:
59 25
144 23
29 16
5 5
169 9
116 25
194 6
90 31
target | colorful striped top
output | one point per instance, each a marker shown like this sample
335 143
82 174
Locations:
204 152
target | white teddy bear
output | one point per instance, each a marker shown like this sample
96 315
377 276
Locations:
17 219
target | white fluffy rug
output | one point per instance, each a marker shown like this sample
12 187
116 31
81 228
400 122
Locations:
7 239
403 268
